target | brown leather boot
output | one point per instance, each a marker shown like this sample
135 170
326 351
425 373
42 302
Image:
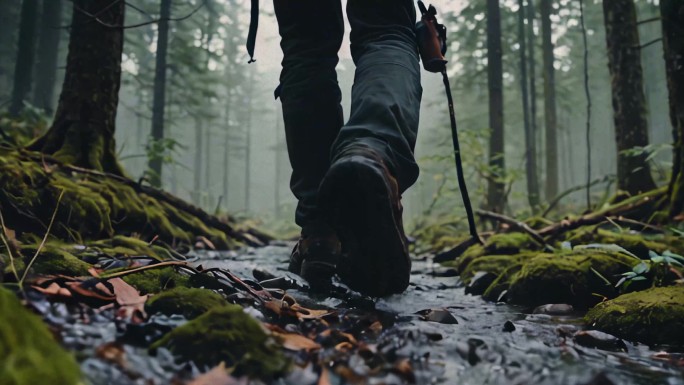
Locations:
316 255
360 199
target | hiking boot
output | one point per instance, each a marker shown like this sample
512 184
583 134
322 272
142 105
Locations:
316 255
361 200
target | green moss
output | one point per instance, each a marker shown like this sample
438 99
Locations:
468 256
653 316
191 303
55 259
227 334
156 280
495 264
567 278
28 352
635 243
501 283
510 243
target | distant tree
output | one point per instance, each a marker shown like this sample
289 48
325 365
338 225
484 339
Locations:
530 141
496 194
82 132
629 103
48 50
159 95
672 14
550 117
9 21
25 54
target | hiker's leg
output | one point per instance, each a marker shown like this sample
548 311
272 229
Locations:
311 32
387 91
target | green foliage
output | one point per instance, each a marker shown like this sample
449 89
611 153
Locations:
30 123
655 269
28 352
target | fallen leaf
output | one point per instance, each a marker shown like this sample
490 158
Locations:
131 302
217 376
324 379
54 289
206 242
297 342
405 370
112 352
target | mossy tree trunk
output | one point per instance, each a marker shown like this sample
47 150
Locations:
82 133
159 101
550 116
629 102
48 49
672 13
496 189
25 53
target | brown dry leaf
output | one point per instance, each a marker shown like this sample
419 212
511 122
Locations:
218 376
76 288
129 298
112 352
206 242
54 289
344 347
283 308
324 379
405 370
376 327
297 342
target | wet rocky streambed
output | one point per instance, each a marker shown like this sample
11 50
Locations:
434 333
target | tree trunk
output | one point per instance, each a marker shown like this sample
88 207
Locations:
48 49
550 118
629 106
532 60
248 142
199 136
496 189
82 133
530 143
159 97
672 13
25 52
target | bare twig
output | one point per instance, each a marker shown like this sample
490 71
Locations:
649 43
141 269
657 18
515 224
42 243
155 21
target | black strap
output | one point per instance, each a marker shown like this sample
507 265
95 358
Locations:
253 26
459 164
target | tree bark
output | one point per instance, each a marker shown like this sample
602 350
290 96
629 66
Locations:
530 142
629 105
25 54
48 50
159 96
82 133
199 136
550 117
496 189
672 14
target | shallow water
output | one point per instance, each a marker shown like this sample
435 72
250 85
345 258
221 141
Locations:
476 350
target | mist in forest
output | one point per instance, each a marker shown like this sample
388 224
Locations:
223 144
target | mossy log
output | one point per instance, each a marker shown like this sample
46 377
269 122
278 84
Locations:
653 316
29 353
97 205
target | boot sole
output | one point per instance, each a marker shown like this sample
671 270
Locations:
359 202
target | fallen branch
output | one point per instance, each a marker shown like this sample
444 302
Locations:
522 226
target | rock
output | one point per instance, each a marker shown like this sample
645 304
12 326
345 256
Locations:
654 316
554 309
480 282
600 379
191 303
442 316
567 277
28 351
509 327
157 280
599 340
227 334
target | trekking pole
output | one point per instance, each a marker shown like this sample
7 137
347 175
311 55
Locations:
432 45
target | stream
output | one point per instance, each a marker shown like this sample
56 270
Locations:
483 343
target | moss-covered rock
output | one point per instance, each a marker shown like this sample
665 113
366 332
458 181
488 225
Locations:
56 258
28 352
495 264
568 277
156 280
497 244
637 244
227 334
653 316
191 303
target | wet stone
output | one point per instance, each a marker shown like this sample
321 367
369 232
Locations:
508 327
554 309
480 282
599 340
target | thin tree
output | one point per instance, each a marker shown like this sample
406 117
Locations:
530 142
672 14
532 60
496 189
588 97
25 54
159 95
629 102
550 116
248 140
48 50
199 137
82 132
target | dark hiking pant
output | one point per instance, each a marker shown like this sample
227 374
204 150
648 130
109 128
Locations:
385 97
